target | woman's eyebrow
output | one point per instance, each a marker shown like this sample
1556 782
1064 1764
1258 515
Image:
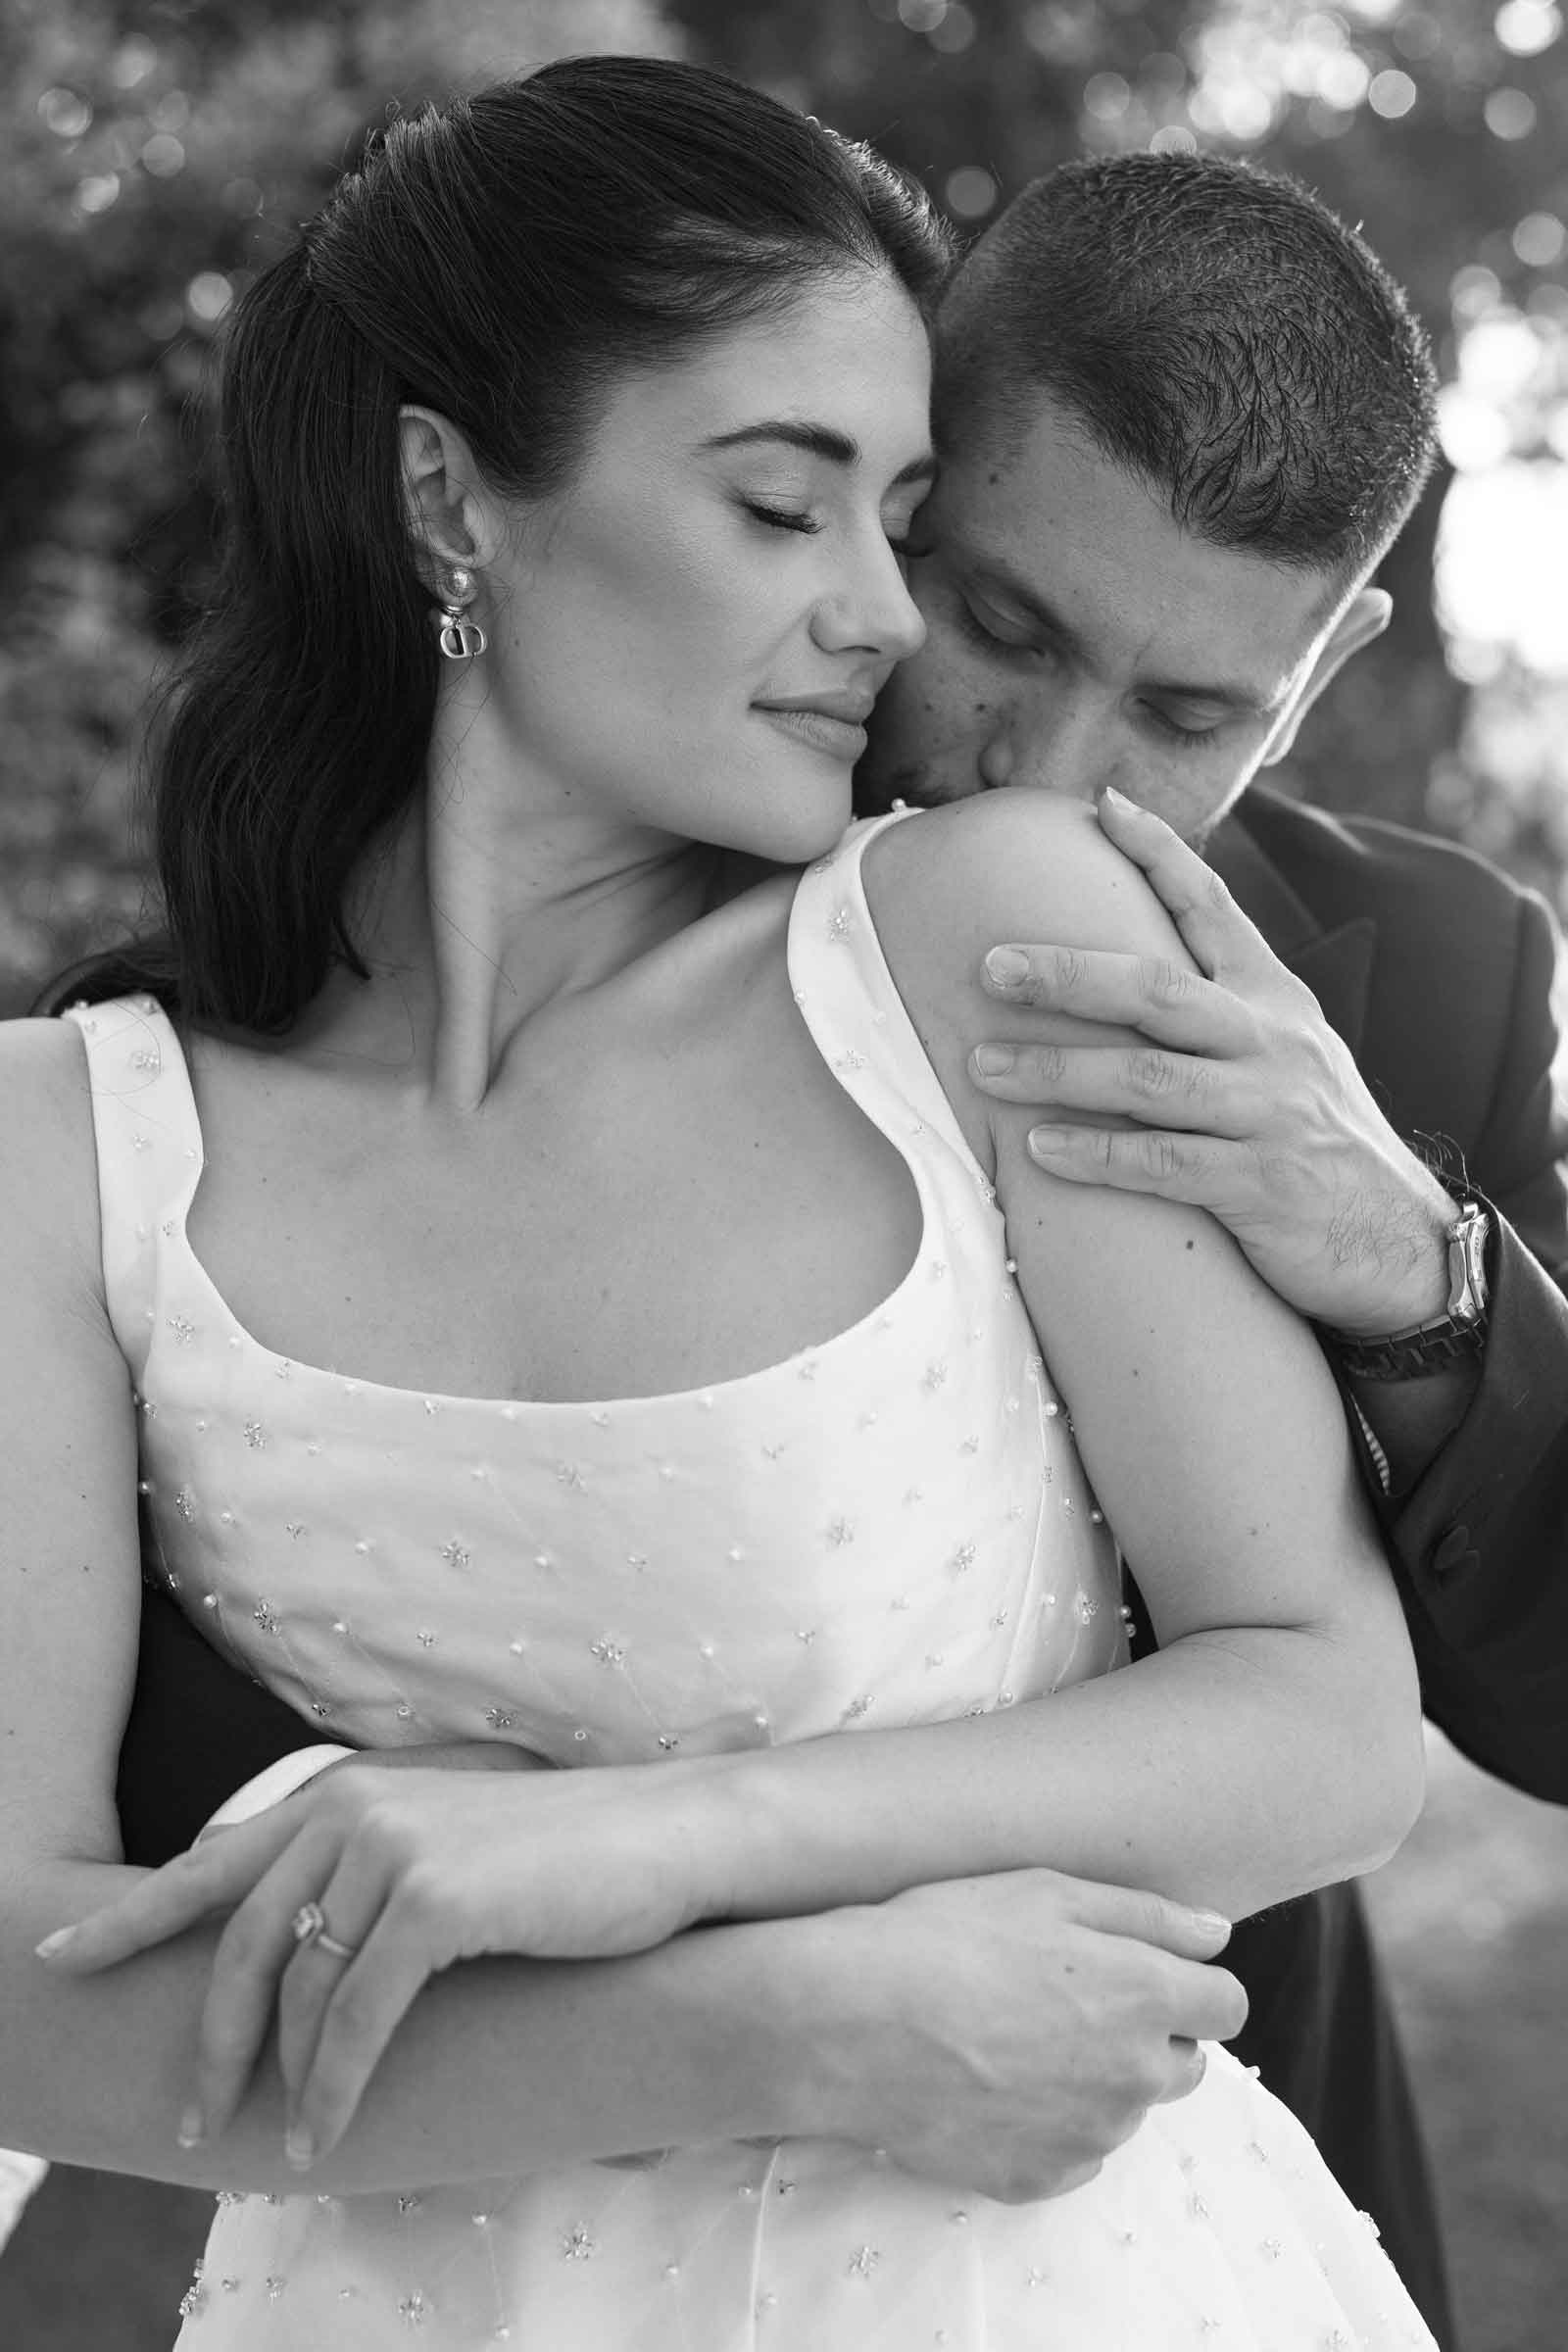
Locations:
818 441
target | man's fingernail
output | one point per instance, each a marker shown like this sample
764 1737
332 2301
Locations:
992 1060
1211 1923
56 1943
192 2129
1007 966
1046 1141
300 2147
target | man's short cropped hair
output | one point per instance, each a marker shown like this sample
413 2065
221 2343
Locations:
1213 328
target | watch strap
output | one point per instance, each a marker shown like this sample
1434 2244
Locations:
1448 1339
1410 1355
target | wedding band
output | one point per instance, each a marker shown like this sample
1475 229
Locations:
309 1926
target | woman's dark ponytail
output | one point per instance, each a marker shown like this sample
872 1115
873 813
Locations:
308 690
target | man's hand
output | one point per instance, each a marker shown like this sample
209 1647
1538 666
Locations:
1246 1103
1005 2034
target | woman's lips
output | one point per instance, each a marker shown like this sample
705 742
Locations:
840 738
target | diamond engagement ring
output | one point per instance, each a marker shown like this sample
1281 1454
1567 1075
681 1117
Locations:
309 1926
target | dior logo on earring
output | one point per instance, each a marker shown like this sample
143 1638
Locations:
461 639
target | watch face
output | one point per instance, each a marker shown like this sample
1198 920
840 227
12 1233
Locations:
1467 1266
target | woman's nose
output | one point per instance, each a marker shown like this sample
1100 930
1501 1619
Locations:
875 613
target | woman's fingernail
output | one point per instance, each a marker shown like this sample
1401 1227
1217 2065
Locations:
300 2147
56 1943
1118 801
1007 966
1046 1141
1211 1923
992 1060
192 2129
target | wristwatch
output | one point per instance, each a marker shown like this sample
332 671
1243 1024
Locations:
1425 1348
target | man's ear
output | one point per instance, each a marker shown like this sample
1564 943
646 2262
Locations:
446 505
1364 618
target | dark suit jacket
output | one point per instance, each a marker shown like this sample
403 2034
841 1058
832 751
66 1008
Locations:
1437 972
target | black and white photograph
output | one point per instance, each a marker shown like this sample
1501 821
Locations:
784 1182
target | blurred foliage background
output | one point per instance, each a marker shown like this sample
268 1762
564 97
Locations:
152 156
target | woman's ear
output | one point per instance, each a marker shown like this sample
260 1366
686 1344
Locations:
448 508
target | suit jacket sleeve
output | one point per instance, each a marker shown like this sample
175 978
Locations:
199 1728
1482 1537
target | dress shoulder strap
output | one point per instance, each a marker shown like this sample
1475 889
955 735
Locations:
850 1001
149 1153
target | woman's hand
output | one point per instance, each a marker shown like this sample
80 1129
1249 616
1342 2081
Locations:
411 1871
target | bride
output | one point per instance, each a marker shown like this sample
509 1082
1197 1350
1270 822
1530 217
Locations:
550 1279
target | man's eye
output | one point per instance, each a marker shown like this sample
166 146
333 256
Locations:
982 632
1190 739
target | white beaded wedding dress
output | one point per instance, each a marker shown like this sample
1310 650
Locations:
891 1528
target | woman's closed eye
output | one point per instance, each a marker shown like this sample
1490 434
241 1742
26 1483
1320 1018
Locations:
781 518
787 519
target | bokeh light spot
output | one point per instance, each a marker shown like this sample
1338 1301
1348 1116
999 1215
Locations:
1107 96
1499 357
1391 94
1343 78
1502 562
969 192
207 296
65 113
163 156
1524 28
955 32
97 192
1474 290
1509 114
1541 240
1474 434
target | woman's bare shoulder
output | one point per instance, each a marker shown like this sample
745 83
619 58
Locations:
1017 864
1022 867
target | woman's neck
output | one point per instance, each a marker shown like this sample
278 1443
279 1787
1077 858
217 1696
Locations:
499 893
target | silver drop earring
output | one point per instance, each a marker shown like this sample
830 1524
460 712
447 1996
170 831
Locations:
461 639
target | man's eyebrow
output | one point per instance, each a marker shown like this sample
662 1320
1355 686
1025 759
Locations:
818 441
1230 694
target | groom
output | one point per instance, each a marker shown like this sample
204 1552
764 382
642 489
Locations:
1182 414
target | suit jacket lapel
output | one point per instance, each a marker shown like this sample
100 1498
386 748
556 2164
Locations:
1335 965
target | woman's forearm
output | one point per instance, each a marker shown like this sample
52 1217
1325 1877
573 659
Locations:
1231 1770
501 2066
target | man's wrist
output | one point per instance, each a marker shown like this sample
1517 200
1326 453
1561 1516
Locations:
1410 1286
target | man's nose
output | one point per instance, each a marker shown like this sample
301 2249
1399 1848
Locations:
1062 746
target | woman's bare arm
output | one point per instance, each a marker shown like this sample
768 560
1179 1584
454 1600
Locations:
1273 1742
